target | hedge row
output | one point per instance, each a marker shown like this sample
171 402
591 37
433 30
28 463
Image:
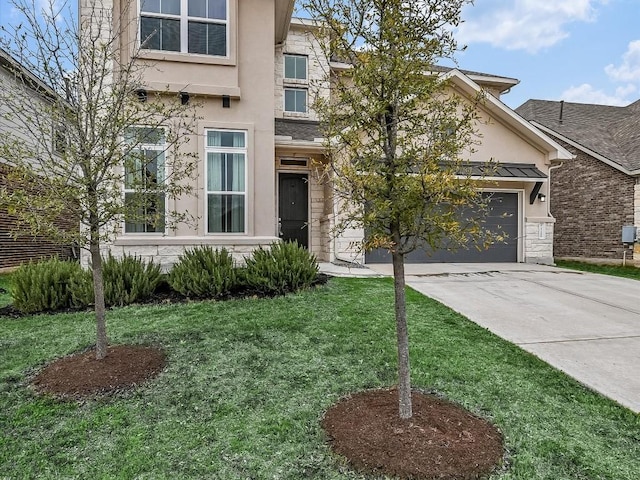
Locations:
200 272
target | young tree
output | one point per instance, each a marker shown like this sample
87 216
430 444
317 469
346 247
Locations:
396 134
90 133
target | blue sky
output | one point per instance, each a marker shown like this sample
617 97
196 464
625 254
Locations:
574 50
584 51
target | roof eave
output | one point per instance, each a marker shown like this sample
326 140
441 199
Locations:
283 14
14 67
503 84
586 150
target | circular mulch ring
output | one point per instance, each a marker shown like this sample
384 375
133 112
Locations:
81 375
440 441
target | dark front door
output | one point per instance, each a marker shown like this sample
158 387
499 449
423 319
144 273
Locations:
294 207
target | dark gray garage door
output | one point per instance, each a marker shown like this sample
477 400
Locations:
502 217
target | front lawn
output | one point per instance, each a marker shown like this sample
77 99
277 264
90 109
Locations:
247 382
628 271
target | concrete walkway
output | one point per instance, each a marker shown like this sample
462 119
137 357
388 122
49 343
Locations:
347 270
584 324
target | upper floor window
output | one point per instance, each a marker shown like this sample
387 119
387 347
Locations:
295 67
186 26
144 173
295 100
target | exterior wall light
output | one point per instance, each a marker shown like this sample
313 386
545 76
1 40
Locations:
542 197
142 95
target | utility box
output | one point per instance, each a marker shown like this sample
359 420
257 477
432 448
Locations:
629 234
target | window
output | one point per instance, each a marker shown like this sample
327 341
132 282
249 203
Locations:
295 100
60 139
226 181
295 67
144 172
187 26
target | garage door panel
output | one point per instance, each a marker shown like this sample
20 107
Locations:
501 217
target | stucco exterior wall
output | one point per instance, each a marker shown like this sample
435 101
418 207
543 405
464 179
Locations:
246 76
499 142
591 202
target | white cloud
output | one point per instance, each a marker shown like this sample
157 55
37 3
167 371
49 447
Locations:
586 93
528 25
629 70
626 75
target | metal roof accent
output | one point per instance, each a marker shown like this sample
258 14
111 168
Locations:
503 171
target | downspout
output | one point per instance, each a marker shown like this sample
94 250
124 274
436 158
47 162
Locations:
552 167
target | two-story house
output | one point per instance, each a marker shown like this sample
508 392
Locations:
17 244
256 70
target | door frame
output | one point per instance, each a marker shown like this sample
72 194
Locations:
297 171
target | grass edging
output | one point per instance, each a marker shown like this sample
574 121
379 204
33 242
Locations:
629 271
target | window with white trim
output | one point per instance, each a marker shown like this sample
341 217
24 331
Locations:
295 67
226 165
144 171
186 26
295 100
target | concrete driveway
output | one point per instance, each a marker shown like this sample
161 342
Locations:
584 324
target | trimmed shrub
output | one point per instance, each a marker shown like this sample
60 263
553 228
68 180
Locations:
284 267
204 273
44 285
127 280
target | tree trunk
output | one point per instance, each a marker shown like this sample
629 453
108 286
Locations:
404 374
98 289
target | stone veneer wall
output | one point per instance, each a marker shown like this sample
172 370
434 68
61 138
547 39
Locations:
538 241
591 202
317 237
347 246
301 42
167 250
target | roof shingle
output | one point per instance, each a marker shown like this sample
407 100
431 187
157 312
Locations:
306 130
613 132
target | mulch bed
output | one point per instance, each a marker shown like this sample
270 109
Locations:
440 441
80 375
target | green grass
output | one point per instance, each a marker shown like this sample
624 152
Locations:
5 285
248 381
628 271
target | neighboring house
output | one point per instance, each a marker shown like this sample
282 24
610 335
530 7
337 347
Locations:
260 143
595 195
14 251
